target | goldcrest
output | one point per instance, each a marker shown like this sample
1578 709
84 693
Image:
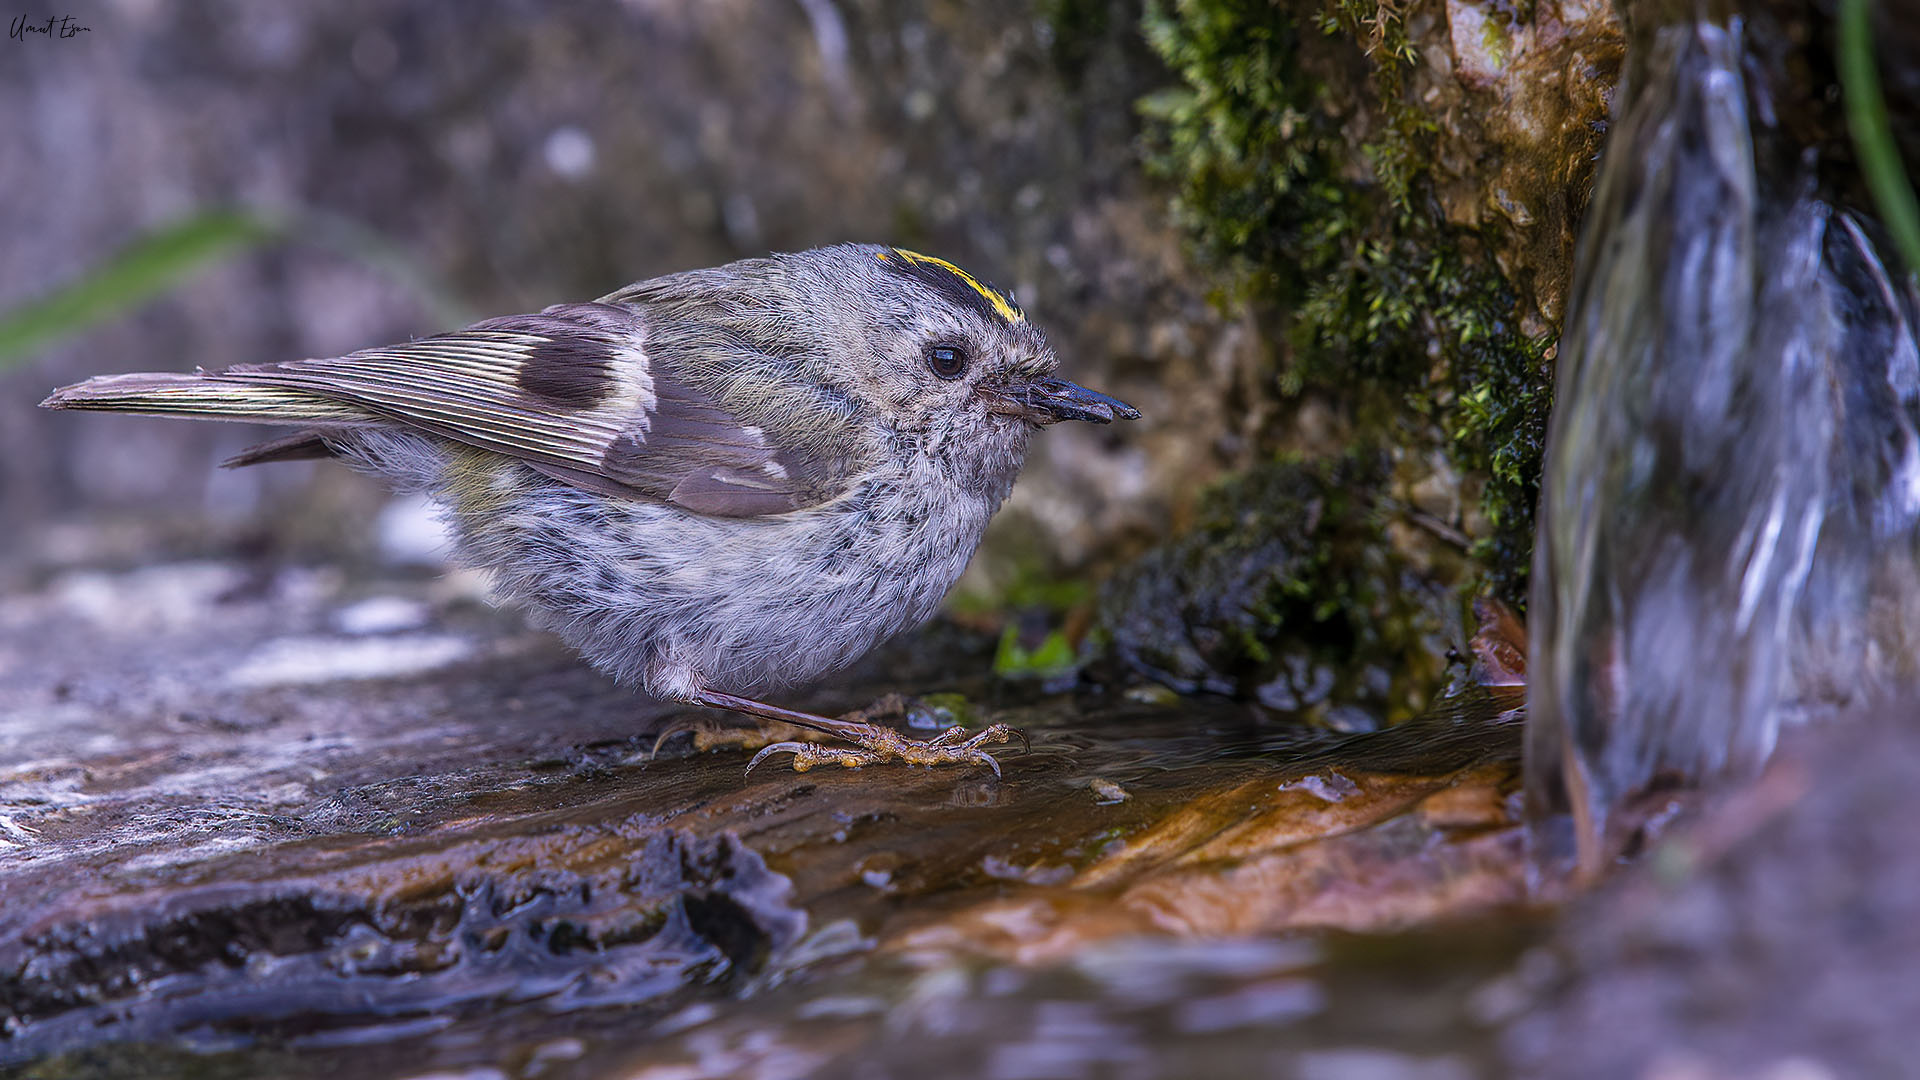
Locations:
712 484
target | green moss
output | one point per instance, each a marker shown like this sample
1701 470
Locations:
1380 28
1383 307
1286 590
1240 136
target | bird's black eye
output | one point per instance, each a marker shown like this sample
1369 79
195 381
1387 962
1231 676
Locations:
947 361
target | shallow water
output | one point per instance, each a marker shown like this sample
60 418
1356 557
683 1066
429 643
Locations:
468 858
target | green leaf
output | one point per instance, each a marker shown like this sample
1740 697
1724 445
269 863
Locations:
138 271
1052 657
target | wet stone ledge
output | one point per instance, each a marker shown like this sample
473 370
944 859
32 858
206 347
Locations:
276 820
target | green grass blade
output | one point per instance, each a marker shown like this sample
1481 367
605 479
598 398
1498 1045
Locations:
1872 135
137 272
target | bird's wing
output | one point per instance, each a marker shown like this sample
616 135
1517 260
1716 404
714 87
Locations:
572 392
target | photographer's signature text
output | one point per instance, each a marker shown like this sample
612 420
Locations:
62 27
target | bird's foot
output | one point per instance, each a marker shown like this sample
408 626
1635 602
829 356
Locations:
875 745
709 735
871 743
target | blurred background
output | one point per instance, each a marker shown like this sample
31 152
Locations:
306 180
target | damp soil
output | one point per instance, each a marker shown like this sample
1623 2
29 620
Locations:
273 823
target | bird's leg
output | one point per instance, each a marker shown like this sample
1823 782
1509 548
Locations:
871 743
709 735
715 734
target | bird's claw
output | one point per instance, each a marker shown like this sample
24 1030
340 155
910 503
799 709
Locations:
873 745
678 727
996 733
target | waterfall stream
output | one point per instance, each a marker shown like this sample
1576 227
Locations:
1731 502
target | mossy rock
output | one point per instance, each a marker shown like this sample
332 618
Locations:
1397 204
1287 591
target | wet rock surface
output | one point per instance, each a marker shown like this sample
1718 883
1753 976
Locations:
1769 936
1287 591
237 828
280 822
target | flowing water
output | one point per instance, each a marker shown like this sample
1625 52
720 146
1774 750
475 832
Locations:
1728 525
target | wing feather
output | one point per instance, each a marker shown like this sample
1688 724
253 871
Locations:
573 392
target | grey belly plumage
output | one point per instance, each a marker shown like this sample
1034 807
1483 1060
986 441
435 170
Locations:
677 602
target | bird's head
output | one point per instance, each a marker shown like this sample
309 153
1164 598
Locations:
951 359
864 345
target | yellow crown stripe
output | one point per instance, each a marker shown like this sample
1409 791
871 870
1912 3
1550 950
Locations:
1000 304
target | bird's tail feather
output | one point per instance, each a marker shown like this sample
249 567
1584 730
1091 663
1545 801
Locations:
204 396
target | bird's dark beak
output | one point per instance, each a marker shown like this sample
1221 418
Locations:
1049 401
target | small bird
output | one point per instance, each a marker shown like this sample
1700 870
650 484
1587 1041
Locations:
712 484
